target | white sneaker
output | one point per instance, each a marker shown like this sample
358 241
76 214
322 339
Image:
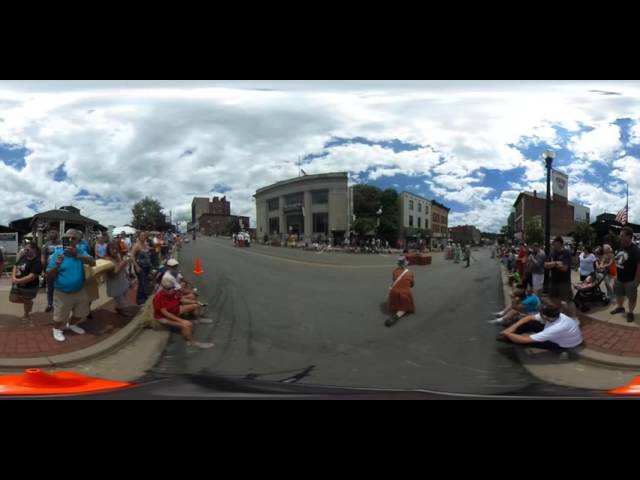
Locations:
58 335
203 304
76 329
202 345
205 320
497 321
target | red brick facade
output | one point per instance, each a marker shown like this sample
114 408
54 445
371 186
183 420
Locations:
220 206
562 215
211 223
464 234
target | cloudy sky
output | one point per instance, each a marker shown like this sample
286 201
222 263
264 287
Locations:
473 145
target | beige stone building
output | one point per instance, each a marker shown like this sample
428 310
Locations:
309 206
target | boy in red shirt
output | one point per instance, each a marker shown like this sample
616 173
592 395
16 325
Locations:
167 310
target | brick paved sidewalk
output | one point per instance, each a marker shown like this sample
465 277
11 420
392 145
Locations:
19 339
610 338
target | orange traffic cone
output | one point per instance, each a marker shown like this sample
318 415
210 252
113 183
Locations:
198 271
36 382
632 388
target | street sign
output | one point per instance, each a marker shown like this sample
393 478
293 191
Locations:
9 243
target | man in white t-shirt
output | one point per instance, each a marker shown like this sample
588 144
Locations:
548 329
189 294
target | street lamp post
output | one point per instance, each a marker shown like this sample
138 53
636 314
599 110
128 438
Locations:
549 155
378 213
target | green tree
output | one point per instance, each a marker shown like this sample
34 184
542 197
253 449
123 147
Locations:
583 232
366 201
147 215
388 229
390 218
363 226
612 239
533 232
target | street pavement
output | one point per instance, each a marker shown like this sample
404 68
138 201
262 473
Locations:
290 315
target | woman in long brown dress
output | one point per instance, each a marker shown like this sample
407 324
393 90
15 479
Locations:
400 299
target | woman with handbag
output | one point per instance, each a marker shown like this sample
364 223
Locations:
25 279
117 280
400 300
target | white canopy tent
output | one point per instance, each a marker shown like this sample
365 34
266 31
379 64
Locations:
126 230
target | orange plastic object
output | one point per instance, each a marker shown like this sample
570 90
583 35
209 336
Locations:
36 382
632 388
198 271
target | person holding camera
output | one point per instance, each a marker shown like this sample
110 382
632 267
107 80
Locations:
66 271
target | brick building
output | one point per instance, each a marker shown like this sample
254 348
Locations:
464 234
213 223
531 206
214 216
202 205
439 224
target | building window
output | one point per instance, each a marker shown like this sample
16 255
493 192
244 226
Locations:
274 225
321 223
411 220
273 204
410 204
419 221
320 197
294 199
295 224
419 207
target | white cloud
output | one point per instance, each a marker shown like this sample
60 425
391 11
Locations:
487 215
635 132
597 145
124 140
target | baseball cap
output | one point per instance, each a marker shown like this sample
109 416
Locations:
172 262
166 282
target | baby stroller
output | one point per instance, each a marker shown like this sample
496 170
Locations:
590 294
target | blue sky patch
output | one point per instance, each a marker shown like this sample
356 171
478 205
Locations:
220 188
395 144
59 174
14 155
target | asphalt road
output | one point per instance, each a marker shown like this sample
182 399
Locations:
295 316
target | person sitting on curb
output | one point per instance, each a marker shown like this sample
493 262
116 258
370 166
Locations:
525 302
550 329
189 293
167 310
